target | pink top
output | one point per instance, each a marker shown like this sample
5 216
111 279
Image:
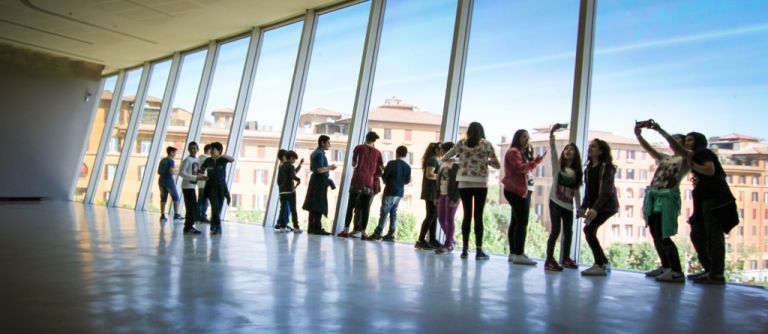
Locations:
516 172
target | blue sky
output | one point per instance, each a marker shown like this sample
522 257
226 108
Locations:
691 65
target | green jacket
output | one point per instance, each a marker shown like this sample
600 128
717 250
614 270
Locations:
666 202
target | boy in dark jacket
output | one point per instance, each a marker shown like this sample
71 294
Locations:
287 181
396 175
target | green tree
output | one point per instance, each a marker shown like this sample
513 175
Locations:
585 254
644 257
618 255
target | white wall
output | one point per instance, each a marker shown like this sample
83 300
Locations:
44 121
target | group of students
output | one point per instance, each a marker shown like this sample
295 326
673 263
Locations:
203 181
453 173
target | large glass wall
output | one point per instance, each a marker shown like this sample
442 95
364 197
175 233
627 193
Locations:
330 93
227 75
116 138
137 160
691 66
187 86
264 123
519 75
408 94
94 137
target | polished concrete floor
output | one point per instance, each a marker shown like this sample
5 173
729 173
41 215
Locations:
75 269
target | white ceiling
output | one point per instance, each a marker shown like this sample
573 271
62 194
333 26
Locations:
124 33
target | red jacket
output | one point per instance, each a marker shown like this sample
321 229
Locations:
516 172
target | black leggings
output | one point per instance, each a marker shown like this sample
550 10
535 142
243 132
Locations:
590 233
473 198
708 238
558 216
430 222
664 247
518 226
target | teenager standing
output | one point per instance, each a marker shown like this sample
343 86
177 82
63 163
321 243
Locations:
189 178
429 194
600 201
475 156
518 187
316 201
215 170
566 181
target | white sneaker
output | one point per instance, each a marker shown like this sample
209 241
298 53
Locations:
656 272
279 229
524 260
356 234
512 258
595 270
671 276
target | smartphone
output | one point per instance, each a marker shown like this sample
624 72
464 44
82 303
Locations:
563 125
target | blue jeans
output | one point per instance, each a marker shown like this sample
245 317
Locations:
202 205
388 207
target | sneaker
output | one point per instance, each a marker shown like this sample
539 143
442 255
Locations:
343 234
163 219
192 231
512 258
356 234
551 265
569 264
388 238
204 221
376 236
442 250
595 270
322 232
464 253
363 236
656 272
178 217
480 255
710 279
435 244
671 276
288 229
421 245
607 267
297 230
523 259
694 276
279 229
215 232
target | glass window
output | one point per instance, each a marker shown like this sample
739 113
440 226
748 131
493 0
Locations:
227 75
675 52
409 88
387 134
110 174
628 231
520 66
630 154
630 173
181 108
742 179
616 231
618 173
643 175
158 79
117 137
94 137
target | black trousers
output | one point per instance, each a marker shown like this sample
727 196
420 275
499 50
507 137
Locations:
190 205
590 233
315 222
518 226
429 224
216 197
664 247
559 216
359 208
288 203
708 239
473 203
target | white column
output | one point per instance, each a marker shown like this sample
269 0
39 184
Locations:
130 135
456 71
582 84
362 103
158 138
198 112
109 123
293 109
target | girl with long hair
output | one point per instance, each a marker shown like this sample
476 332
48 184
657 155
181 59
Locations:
430 194
518 186
566 181
475 156
600 201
